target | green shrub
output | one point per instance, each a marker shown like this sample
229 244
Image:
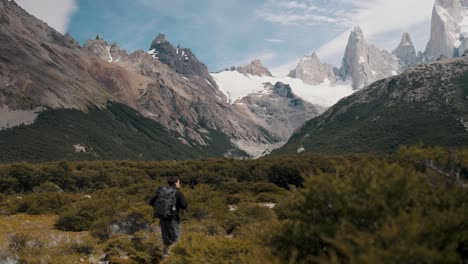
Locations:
78 218
196 248
45 203
374 212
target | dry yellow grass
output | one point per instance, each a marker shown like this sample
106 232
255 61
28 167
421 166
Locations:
36 226
43 243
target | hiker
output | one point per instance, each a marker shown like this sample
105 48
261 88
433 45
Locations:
166 204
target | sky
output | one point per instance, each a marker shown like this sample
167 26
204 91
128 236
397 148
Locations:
225 33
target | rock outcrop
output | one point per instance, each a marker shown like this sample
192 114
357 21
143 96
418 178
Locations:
406 53
312 71
364 64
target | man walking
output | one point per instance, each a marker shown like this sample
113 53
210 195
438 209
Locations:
167 203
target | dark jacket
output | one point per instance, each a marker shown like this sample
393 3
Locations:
181 203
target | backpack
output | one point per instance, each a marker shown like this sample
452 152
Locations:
164 203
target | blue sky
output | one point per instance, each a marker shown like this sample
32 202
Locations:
224 33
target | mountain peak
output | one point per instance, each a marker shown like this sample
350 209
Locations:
364 64
357 33
161 38
406 40
405 52
312 71
255 68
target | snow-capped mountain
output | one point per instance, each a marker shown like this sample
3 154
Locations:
364 64
313 72
449 30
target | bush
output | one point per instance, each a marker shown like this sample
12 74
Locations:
45 203
79 218
196 248
374 212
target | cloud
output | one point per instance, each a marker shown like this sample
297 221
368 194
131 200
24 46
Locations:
301 12
275 40
56 13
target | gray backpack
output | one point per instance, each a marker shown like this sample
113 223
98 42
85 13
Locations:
164 203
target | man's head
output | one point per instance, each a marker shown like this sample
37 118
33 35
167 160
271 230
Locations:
174 182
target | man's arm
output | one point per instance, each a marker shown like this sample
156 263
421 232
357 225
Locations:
181 201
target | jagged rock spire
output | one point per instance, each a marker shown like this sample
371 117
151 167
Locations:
405 52
364 64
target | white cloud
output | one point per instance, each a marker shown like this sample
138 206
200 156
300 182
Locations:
56 13
275 40
301 12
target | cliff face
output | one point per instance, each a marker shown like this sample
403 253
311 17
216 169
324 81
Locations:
449 29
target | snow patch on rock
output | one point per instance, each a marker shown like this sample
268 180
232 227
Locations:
79 148
256 150
464 123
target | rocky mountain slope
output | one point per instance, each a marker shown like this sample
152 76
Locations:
279 110
426 104
175 89
39 66
41 69
52 90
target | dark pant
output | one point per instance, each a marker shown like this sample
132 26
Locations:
170 231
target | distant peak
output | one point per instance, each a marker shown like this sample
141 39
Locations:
357 31
257 62
313 56
161 38
406 40
255 68
356 34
